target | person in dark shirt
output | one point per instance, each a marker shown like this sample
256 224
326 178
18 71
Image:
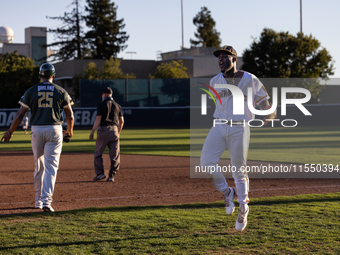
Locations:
110 121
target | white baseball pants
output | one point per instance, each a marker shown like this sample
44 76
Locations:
46 145
236 140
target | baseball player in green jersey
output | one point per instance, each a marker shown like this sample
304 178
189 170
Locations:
46 101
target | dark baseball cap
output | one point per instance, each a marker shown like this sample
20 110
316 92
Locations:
107 90
226 48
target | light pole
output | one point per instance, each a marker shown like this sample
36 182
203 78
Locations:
301 16
182 25
131 52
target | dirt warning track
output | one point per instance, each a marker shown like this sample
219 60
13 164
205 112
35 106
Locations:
141 180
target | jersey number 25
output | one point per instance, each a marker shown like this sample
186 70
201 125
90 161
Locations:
45 100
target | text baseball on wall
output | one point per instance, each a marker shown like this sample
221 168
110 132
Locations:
82 116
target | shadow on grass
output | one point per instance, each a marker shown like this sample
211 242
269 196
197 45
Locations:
153 148
310 198
295 145
295 130
284 135
97 242
155 138
18 141
133 149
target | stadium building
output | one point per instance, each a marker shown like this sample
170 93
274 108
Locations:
35 37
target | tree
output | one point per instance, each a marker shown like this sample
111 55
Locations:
111 70
206 35
105 37
178 90
92 72
174 69
281 55
69 37
17 74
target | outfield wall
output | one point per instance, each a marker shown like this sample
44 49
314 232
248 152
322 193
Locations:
134 117
180 116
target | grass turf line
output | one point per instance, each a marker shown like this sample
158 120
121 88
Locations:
305 145
304 224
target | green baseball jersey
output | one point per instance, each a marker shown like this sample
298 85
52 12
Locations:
46 101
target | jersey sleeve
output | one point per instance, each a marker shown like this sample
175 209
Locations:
261 93
120 113
99 110
25 100
67 101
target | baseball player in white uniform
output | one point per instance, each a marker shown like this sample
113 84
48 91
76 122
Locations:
24 123
46 101
233 135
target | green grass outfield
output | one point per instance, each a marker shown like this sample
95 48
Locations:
305 224
307 145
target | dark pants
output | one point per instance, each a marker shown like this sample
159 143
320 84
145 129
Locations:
107 136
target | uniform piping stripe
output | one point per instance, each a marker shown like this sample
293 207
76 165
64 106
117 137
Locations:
261 98
24 105
69 105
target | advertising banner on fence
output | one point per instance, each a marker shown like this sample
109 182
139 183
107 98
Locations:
134 116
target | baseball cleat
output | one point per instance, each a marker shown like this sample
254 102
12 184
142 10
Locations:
38 205
241 221
99 177
229 201
110 179
48 208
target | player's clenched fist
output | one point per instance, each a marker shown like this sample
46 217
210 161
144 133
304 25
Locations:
91 136
269 117
7 136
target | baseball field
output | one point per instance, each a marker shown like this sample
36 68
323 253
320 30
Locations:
154 207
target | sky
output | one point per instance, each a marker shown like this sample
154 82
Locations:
155 26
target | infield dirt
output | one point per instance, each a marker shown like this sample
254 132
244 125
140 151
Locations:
141 180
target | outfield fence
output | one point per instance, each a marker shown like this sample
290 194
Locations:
173 103
179 116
